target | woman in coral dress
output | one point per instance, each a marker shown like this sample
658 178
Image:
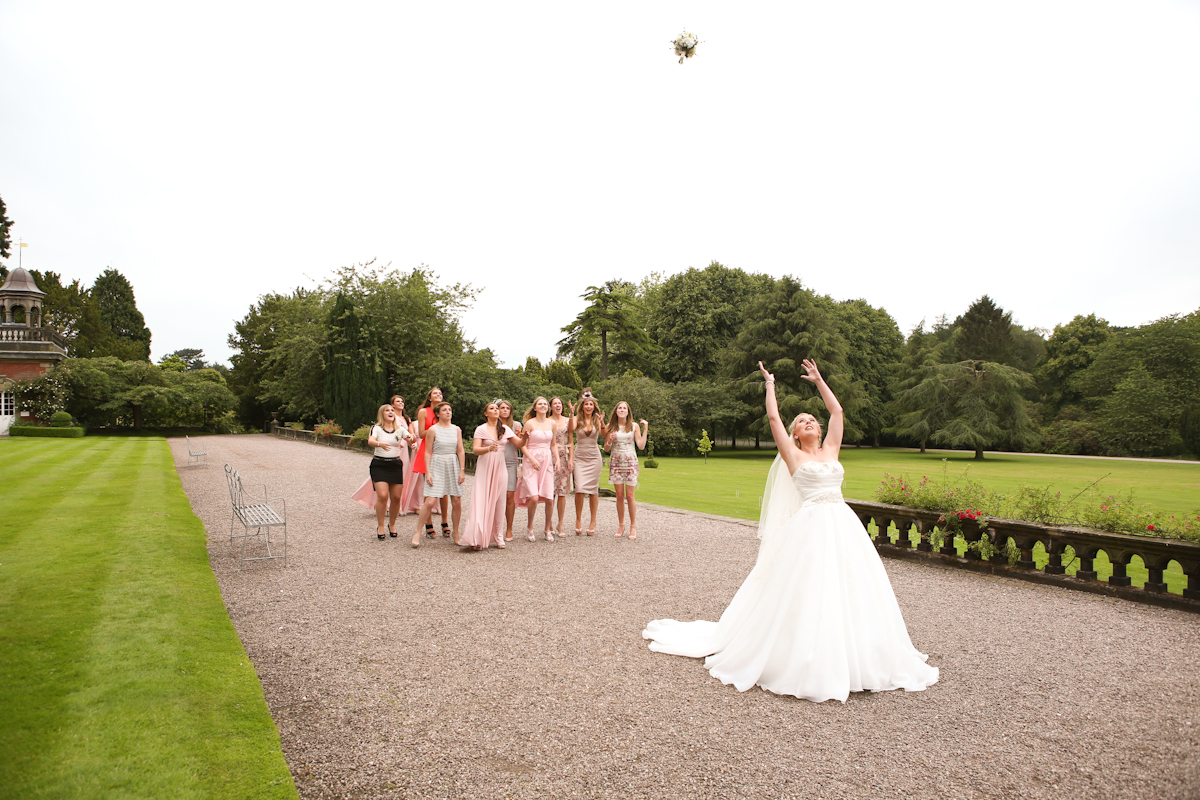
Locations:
416 500
536 484
816 618
485 516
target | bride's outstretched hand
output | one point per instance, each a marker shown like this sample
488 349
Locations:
768 377
810 367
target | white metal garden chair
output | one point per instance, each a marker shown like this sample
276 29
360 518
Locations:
260 514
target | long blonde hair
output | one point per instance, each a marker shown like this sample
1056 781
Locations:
612 420
595 420
532 412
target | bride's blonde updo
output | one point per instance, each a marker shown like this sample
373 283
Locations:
796 423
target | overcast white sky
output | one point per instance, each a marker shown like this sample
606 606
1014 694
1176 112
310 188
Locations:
915 154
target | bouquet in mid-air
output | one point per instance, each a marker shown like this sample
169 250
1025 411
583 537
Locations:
685 45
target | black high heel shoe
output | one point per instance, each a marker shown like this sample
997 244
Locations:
445 530
429 530
392 534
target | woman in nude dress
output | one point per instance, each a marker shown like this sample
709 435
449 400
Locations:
586 460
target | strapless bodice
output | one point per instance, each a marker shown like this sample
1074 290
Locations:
819 481
540 440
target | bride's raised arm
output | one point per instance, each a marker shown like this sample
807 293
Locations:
837 420
783 437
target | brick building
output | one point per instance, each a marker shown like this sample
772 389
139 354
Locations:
27 348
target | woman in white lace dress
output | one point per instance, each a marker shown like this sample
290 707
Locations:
816 618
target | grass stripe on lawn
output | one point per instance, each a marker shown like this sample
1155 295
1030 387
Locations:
121 672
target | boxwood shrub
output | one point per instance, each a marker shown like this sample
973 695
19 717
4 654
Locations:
52 433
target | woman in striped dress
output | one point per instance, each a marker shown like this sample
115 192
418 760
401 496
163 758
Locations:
444 448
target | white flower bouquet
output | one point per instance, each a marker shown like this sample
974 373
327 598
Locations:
685 45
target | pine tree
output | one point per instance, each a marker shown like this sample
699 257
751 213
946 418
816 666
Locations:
984 333
785 326
5 238
113 295
355 380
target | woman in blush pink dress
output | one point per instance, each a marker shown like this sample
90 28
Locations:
536 484
562 470
485 517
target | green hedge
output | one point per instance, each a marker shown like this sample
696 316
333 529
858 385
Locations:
53 433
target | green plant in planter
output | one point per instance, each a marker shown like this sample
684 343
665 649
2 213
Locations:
360 435
327 428
294 426
650 462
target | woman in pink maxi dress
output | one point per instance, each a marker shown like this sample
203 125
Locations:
489 497
536 484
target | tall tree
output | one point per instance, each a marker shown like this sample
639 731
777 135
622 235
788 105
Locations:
984 333
355 381
279 358
874 345
971 405
785 326
118 309
610 312
691 315
918 414
1070 350
415 318
5 236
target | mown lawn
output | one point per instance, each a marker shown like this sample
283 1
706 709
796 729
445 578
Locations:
121 673
731 483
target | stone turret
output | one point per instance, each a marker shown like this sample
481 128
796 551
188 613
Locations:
27 348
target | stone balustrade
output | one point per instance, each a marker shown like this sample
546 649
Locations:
345 442
11 332
916 525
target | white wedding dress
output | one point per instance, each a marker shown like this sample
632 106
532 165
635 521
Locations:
816 618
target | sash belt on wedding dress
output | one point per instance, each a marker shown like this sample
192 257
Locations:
824 497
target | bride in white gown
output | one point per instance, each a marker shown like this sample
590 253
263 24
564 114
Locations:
816 618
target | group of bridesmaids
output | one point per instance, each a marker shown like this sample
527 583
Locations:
561 457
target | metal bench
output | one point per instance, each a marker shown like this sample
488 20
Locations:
195 456
261 515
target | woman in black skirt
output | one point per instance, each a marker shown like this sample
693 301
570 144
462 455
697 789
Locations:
388 436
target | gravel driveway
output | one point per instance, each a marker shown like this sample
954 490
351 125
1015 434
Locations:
394 672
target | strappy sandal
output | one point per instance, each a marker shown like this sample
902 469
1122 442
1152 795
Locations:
445 530
429 530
